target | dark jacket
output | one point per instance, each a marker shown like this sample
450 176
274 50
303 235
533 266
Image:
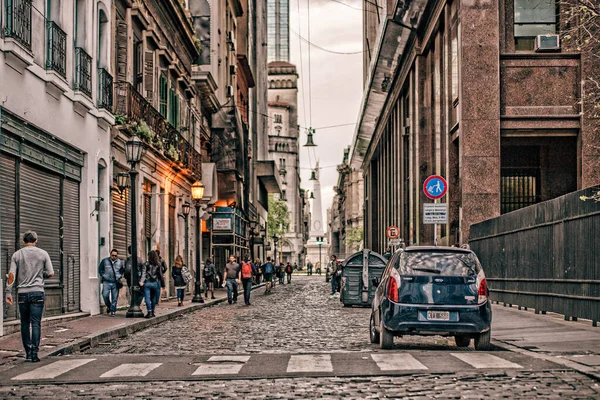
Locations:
210 272
177 276
152 273
110 272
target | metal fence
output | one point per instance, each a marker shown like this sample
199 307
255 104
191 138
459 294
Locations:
546 256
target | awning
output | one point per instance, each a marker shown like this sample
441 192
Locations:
268 175
210 181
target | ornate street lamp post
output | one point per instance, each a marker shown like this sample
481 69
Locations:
197 194
185 212
134 150
320 243
275 238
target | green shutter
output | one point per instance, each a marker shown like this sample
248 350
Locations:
163 95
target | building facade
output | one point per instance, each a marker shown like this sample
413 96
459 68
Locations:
55 118
467 90
278 30
284 151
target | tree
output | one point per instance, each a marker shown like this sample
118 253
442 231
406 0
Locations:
354 238
278 220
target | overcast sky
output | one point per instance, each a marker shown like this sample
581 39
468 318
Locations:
336 83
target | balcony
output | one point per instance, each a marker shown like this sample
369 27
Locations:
18 21
151 127
105 89
56 49
83 72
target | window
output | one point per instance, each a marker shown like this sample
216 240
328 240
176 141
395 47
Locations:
532 18
162 95
282 162
519 177
277 118
138 67
283 197
174 108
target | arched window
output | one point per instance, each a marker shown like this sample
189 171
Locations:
103 37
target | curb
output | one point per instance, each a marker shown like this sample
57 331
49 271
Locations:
93 340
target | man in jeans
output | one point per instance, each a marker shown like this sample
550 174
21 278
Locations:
231 277
110 271
32 266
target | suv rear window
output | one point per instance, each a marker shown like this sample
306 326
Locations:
438 263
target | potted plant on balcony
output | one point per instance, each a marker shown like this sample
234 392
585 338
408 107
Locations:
172 153
142 130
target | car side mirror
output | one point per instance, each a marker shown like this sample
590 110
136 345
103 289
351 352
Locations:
375 281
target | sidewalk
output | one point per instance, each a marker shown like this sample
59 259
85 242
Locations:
74 335
574 344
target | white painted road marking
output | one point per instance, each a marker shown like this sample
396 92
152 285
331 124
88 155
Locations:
483 360
310 363
396 361
123 370
53 370
222 365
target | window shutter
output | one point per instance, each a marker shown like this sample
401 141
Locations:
121 50
163 96
149 75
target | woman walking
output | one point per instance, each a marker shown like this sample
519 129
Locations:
210 275
181 276
151 281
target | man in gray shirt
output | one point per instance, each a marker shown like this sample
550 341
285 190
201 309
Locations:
231 277
29 267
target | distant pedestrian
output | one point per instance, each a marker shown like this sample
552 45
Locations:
288 271
29 267
332 267
133 284
268 269
110 271
295 266
163 269
151 281
181 277
310 268
259 270
210 276
280 273
247 273
231 277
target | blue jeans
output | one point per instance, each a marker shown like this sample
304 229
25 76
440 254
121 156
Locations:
180 294
334 282
232 286
150 291
110 293
247 283
31 307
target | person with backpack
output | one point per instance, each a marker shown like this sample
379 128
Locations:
231 277
288 271
259 271
247 272
210 275
181 277
152 280
268 269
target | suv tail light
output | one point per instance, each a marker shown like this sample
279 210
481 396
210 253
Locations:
393 290
482 291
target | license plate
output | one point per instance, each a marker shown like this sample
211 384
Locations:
438 315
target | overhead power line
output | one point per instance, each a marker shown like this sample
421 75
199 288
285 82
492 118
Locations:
324 49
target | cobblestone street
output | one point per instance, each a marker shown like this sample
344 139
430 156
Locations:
296 318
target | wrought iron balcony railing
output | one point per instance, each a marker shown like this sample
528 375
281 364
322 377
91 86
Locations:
105 89
18 21
83 71
56 49
158 133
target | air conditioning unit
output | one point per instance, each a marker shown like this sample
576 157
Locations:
233 69
231 40
547 43
229 91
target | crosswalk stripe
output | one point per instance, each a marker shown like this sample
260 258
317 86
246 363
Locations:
397 361
141 369
483 360
222 365
241 359
53 370
310 363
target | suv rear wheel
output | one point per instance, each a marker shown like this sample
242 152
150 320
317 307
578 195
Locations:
373 334
482 341
462 341
386 338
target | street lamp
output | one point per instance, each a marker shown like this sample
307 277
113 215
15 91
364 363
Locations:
134 150
122 182
320 243
252 234
197 194
185 212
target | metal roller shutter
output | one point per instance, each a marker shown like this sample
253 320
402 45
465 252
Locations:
71 252
121 215
8 221
40 212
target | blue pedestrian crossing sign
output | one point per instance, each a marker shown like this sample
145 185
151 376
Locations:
435 187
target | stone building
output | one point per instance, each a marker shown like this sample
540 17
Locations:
469 91
284 151
55 161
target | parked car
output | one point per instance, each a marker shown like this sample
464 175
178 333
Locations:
432 291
